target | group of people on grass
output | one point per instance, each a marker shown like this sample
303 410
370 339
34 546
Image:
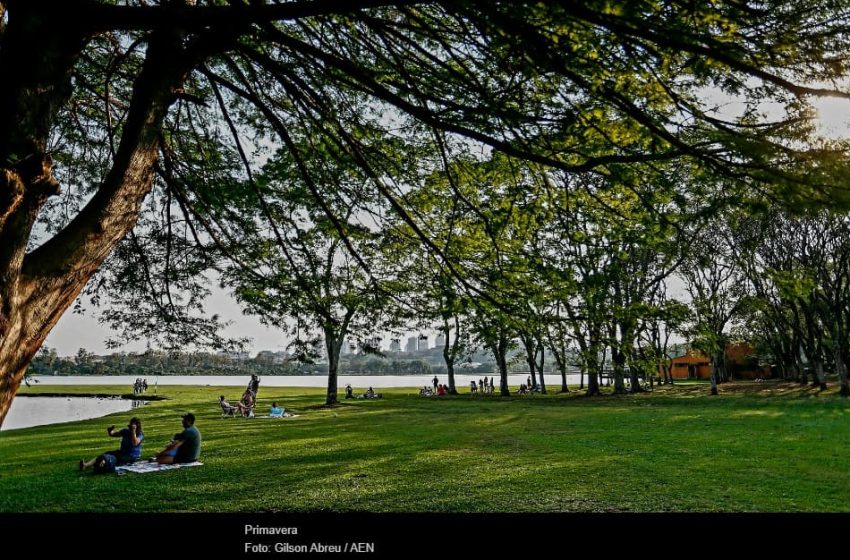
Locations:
246 404
369 394
485 386
184 447
140 385
439 390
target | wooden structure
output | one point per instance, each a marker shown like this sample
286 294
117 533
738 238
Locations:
741 363
692 365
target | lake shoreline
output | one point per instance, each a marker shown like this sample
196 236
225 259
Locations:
126 396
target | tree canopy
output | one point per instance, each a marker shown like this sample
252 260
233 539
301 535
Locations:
182 101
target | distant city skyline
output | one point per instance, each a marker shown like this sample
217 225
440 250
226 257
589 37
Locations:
75 331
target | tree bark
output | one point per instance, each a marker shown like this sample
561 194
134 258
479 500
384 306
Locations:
618 360
561 360
564 388
713 378
802 374
820 377
593 367
627 347
500 351
449 355
36 289
541 364
841 370
333 345
528 343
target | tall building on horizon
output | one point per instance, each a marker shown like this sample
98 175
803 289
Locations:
423 343
440 341
395 345
374 342
411 345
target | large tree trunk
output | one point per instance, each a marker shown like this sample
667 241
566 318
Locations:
618 360
590 358
668 372
563 368
627 347
713 378
593 383
820 377
531 368
333 346
802 374
449 357
593 376
841 370
542 379
37 288
500 351
720 361
528 346
561 360
450 370
634 379
36 57
726 375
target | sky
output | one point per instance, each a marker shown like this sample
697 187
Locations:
75 331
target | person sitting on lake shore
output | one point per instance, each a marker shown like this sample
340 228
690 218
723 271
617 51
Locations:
276 411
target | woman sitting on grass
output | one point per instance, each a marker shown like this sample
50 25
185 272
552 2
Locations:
246 405
276 411
130 450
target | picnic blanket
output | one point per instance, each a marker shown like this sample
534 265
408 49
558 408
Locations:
143 467
286 415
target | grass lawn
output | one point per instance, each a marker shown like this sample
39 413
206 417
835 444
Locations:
757 447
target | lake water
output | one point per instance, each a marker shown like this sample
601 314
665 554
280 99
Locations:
357 381
40 411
